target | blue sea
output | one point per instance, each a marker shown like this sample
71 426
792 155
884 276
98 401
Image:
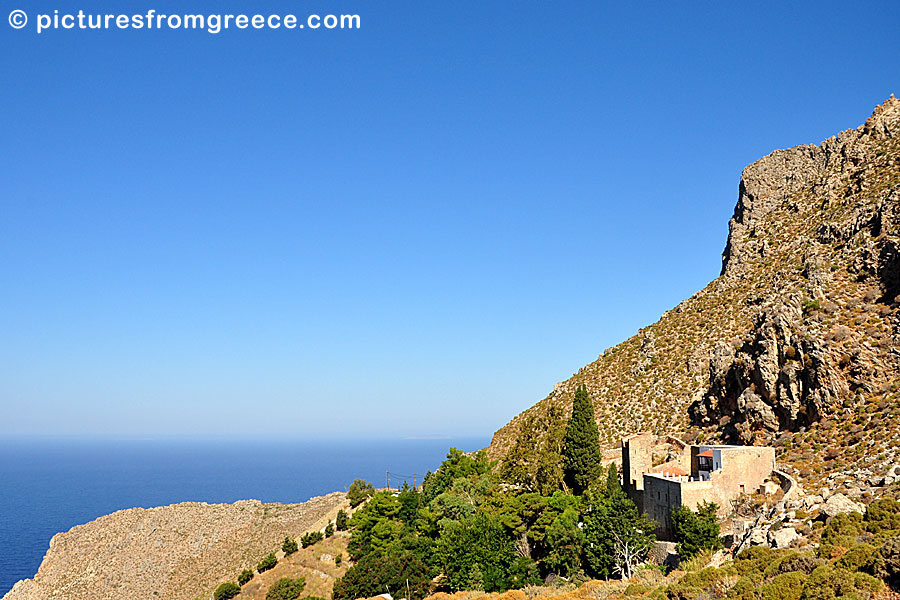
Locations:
48 486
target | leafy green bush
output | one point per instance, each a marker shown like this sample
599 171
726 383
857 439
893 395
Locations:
882 516
329 529
289 546
360 490
479 540
745 589
338 560
612 521
858 558
267 563
696 531
311 538
828 582
636 589
244 576
801 563
524 571
286 589
785 586
888 564
457 465
842 532
227 591
376 573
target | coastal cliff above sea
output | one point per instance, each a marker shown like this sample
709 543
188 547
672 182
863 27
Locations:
178 552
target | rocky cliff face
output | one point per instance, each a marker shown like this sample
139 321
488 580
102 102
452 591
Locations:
797 342
177 552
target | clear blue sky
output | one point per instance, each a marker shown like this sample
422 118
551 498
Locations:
414 228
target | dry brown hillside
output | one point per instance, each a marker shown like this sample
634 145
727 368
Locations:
797 342
177 552
315 563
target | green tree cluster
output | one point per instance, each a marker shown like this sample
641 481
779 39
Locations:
479 532
457 465
618 537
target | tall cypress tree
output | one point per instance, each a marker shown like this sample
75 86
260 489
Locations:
582 454
613 486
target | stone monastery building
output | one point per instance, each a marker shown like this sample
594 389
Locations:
688 475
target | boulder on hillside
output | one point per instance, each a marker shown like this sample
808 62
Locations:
783 537
838 503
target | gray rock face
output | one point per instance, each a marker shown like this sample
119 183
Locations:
783 537
780 379
789 371
839 503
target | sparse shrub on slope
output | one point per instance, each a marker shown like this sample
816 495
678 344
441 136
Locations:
785 586
699 584
286 589
888 566
245 576
268 562
828 582
860 557
842 532
227 591
882 516
289 546
313 537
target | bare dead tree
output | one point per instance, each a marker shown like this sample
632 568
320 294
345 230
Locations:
523 548
629 554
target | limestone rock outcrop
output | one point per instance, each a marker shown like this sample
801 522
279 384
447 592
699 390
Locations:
801 329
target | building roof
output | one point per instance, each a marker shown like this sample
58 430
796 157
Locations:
706 453
673 471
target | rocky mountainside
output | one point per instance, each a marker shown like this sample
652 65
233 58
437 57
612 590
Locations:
796 343
177 552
